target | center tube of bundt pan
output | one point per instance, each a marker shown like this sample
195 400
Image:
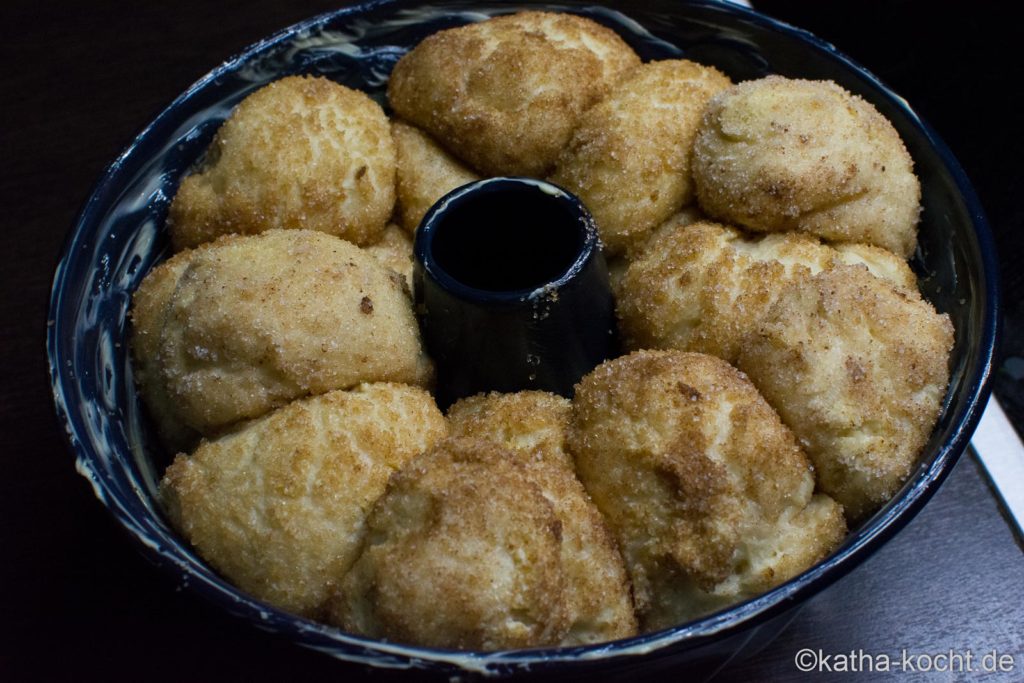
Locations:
511 289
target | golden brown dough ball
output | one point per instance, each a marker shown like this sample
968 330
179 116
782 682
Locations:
462 551
618 264
709 495
301 152
705 286
505 94
150 305
530 423
394 250
629 159
279 505
254 322
426 172
858 369
533 425
778 154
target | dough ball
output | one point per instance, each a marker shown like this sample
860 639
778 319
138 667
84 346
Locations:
426 172
705 287
505 94
532 425
302 152
709 495
858 369
150 305
618 264
629 159
279 505
254 322
463 551
777 154
394 251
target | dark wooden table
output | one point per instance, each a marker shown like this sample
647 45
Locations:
78 603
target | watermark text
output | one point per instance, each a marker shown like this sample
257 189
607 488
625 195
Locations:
904 661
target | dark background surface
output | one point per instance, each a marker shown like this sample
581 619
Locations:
78 603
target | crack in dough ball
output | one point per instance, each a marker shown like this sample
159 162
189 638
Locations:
777 154
708 493
302 152
462 551
505 94
533 426
858 369
705 287
279 505
426 172
629 159
253 322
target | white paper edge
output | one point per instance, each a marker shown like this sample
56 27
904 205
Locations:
1001 454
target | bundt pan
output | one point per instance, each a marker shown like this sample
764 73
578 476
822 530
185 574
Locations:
120 235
